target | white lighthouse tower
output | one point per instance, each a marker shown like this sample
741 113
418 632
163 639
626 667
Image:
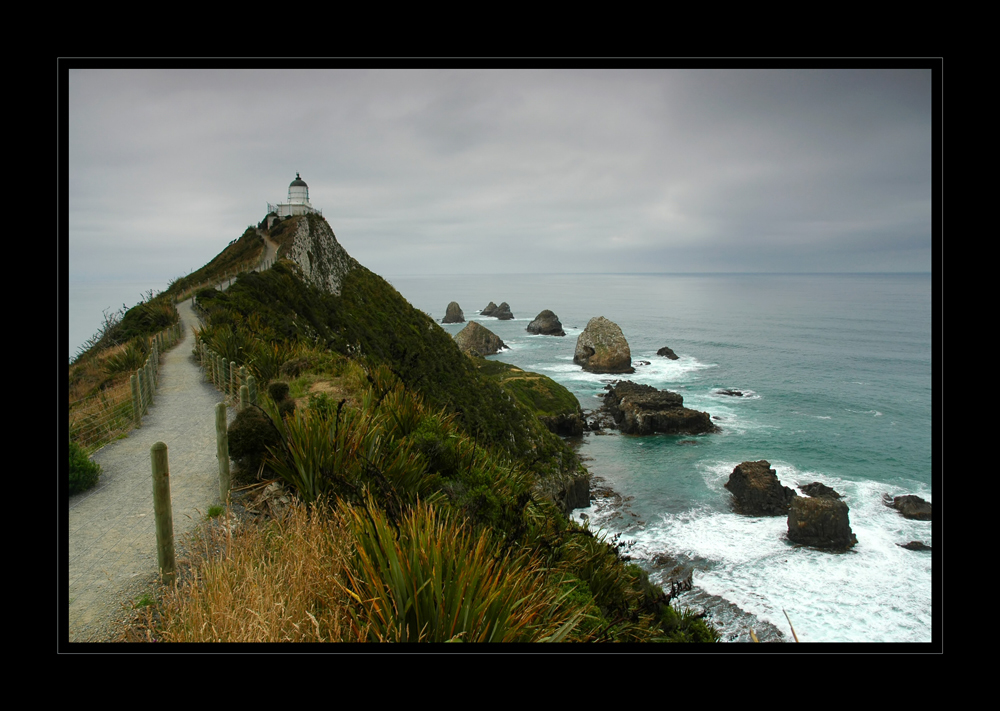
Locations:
298 201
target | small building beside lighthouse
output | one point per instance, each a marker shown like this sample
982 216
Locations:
298 201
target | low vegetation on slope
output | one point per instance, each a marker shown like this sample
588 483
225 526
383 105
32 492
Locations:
419 515
240 255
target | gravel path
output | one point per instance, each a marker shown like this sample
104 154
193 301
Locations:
112 539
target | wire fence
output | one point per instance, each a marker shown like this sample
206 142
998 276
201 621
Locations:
237 387
103 417
96 420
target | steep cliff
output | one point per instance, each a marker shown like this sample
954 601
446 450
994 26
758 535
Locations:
311 243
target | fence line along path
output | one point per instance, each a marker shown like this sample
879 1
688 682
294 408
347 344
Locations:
112 535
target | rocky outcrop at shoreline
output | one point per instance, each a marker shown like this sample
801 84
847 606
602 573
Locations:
602 348
546 324
642 409
490 310
668 353
566 491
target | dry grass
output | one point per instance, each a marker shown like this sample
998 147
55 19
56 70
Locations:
279 582
97 420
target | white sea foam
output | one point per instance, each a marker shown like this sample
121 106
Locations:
876 592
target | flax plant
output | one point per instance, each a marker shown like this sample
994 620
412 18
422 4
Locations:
348 454
432 579
128 358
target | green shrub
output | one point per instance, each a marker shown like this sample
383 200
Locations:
83 473
148 317
685 626
323 405
278 391
250 434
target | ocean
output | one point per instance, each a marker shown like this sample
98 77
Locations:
835 371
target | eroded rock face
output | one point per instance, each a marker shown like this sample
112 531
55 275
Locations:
453 314
566 491
642 409
910 506
602 348
820 521
322 259
490 310
757 491
564 424
478 340
503 312
546 324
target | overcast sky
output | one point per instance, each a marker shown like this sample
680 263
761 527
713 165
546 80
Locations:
500 171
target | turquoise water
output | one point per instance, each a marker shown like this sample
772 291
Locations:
836 376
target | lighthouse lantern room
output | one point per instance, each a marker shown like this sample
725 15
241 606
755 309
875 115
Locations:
298 201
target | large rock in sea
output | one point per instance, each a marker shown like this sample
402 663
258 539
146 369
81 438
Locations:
642 409
910 506
602 348
490 310
668 353
478 340
503 312
546 324
757 491
820 521
453 314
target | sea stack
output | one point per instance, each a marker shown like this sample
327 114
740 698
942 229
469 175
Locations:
453 314
546 324
478 340
821 522
602 348
757 491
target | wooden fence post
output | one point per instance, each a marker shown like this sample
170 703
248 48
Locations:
222 444
163 513
141 377
136 402
149 382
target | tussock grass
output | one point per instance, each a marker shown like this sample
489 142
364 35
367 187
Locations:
280 582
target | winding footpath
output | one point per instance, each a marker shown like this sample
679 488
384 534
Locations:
112 538
112 534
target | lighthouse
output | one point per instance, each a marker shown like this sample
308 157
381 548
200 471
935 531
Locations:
298 200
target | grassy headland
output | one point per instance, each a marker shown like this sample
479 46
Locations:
422 478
